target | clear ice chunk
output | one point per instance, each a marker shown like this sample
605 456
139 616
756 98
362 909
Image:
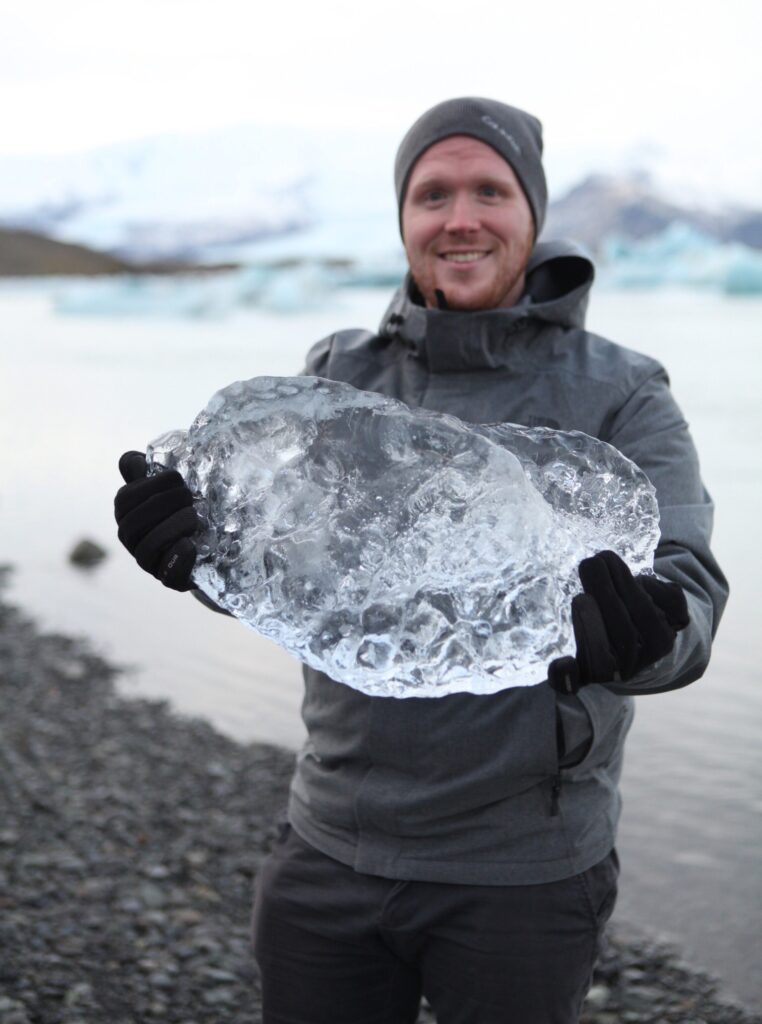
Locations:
403 552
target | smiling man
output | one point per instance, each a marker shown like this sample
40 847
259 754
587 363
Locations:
463 848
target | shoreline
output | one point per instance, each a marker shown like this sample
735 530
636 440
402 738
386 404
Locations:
130 838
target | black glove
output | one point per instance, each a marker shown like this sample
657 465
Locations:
622 623
156 520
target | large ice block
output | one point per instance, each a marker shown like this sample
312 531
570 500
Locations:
403 552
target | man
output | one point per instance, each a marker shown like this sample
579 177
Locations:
463 847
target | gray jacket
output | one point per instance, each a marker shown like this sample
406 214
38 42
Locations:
518 787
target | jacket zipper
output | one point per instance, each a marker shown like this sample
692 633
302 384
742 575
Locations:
555 795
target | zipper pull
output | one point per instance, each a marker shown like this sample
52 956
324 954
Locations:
555 795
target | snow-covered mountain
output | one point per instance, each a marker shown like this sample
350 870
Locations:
633 206
182 196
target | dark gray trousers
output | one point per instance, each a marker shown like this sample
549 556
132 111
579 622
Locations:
338 947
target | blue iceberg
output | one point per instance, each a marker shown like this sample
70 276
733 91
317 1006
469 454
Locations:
682 256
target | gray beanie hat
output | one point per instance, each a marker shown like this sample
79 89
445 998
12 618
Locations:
514 134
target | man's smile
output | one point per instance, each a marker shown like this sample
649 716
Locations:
464 257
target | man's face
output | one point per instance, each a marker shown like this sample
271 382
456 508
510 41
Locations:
467 226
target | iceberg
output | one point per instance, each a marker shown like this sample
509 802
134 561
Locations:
682 256
291 287
402 552
199 295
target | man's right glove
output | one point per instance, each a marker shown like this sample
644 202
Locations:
156 520
622 624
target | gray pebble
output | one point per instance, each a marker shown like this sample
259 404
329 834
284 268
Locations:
218 996
151 895
87 553
131 906
634 974
156 871
158 979
215 974
79 995
598 996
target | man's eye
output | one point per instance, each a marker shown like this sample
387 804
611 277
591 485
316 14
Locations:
434 195
488 190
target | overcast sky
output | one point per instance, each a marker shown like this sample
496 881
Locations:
601 75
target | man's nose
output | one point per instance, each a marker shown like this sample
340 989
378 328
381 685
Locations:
462 215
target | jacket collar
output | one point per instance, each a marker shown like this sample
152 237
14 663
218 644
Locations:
559 278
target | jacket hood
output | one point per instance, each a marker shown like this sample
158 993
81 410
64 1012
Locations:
558 281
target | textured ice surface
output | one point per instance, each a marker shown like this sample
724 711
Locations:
402 552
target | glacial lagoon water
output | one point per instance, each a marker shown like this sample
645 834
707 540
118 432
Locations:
75 392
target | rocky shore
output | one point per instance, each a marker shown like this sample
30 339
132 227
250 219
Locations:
129 842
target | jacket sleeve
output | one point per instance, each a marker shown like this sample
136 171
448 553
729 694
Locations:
650 429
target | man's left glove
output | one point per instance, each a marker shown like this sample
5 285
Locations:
622 623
